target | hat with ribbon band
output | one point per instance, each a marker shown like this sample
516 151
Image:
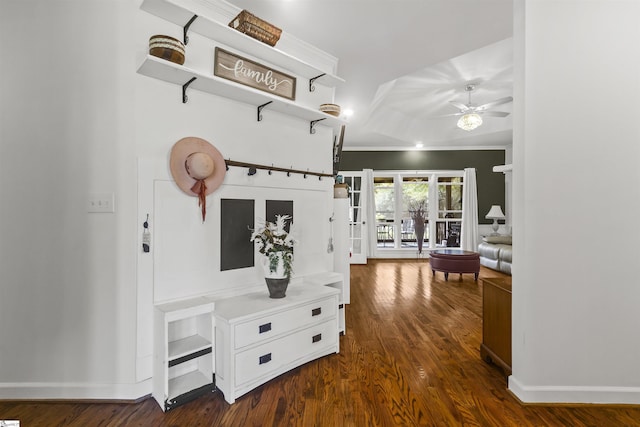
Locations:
198 168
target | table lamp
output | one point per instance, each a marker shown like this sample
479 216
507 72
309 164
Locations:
495 213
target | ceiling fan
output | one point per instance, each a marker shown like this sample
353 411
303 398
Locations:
471 114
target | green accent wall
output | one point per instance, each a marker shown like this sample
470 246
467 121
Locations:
490 184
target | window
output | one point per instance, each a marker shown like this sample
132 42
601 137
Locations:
384 193
408 201
415 211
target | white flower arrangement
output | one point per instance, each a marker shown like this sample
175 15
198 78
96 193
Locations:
273 240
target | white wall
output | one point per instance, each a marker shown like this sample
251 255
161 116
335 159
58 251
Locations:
576 200
75 311
67 277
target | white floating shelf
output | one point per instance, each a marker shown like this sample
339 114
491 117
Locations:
503 168
179 75
177 12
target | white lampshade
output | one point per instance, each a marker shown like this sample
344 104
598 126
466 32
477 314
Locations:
469 121
495 212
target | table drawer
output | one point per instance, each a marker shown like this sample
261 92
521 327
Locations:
259 361
266 327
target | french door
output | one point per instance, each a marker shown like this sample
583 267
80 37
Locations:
357 219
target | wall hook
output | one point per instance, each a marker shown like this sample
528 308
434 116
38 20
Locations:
146 236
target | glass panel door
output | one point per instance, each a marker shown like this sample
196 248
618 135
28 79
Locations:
357 222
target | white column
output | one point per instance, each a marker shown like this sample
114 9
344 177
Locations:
575 299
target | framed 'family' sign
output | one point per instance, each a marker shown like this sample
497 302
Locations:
249 73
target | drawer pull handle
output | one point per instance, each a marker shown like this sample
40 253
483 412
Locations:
266 358
316 338
316 311
265 328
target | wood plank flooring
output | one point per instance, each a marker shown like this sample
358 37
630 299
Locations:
410 357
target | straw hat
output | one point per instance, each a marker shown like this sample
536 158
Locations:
197 167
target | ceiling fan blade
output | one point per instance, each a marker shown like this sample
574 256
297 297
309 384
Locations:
491 104
494 113
442 116
459 106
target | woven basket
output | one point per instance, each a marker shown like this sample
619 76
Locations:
333 109
255 27
166 47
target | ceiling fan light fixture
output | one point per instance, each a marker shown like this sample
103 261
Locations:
469 121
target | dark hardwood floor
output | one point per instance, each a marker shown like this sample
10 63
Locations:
410 357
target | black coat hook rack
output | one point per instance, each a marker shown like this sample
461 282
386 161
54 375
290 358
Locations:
272 168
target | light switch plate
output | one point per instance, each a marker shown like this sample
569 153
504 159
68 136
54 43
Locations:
101 203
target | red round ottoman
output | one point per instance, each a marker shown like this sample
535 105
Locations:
454 261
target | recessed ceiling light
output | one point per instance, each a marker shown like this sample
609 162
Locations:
348 112
419 145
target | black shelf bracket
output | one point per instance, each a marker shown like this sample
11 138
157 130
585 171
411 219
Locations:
185 30
312 80
185 98
312 125
260 107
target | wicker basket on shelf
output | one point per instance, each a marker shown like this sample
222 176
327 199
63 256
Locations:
255 27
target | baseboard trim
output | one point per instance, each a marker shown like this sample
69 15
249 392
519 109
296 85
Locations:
574 394
75 391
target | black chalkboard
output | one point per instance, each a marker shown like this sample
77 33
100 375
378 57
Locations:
279 207
236 222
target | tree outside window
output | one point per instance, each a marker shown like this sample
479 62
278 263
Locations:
449 222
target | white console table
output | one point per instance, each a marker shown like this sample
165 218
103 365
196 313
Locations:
258 338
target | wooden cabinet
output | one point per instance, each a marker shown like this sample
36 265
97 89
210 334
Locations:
496 322
183 367
258 338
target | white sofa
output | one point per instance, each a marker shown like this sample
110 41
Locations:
496 253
